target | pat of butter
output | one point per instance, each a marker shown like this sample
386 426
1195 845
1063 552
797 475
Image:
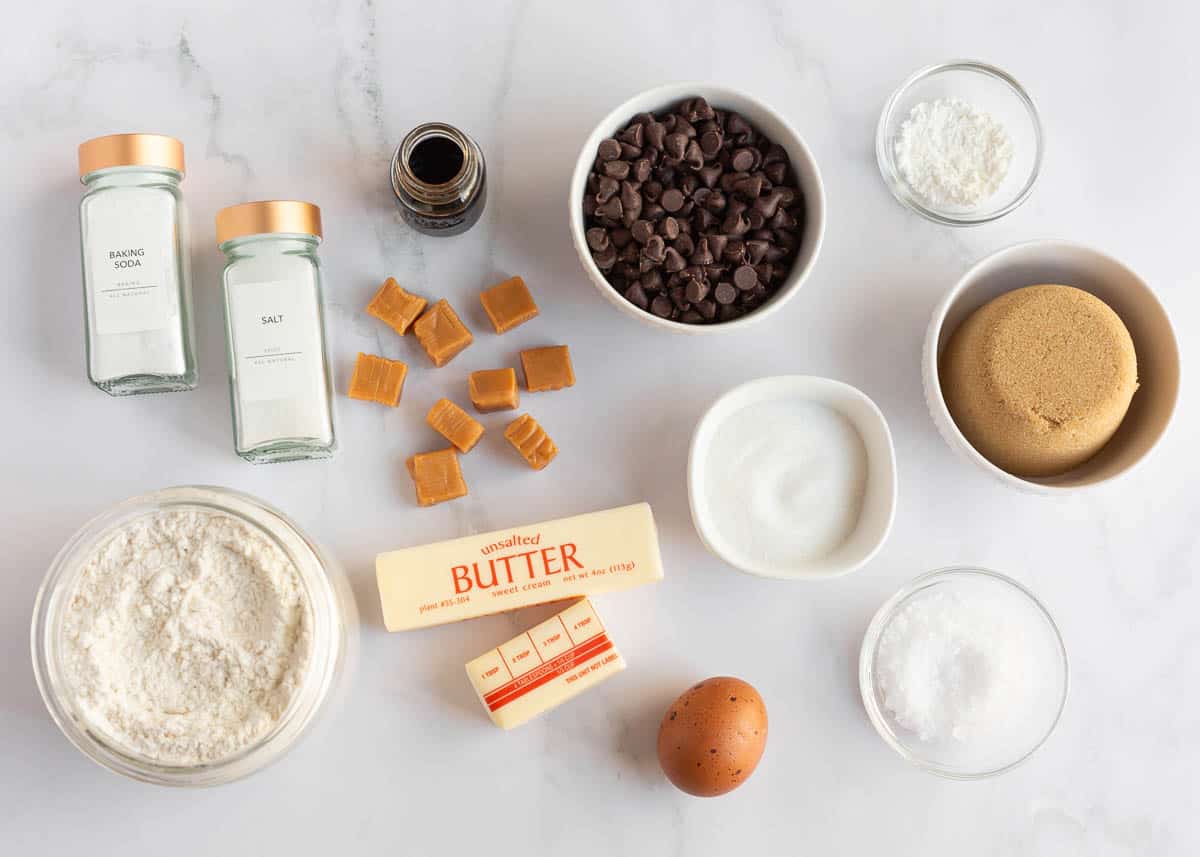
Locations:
519 567
546 666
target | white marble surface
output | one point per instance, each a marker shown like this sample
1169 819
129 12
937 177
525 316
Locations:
307 100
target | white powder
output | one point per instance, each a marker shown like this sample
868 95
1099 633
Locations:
186 636
952 154
956 667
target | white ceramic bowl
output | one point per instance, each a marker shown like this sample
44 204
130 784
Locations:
1062 262
879 497
762 117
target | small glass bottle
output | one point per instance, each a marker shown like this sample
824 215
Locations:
439 179
279 381
136 272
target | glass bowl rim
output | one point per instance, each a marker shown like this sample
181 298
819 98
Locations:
899 188
884 615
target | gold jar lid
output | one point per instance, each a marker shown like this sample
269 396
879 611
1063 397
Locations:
130 150
272 215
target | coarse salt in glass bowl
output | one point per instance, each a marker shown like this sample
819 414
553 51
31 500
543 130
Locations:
988 89
1019 724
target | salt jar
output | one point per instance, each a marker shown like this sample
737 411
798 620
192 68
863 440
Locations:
279 377
136 274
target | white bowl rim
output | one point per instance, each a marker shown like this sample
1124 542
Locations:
884 157
932 379
795 384
879 620
668 93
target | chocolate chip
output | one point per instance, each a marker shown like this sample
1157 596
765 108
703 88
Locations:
693 156
636 295
629 151
641 169
634 134
616 169
702 255
776 172
742 160
679 297
735 124
735 224
691 316
611 208
756 250
662 307
707 309
608 150
756 219
673 261
725 293
608 189
669 228
656 133
749 187
696 291
655 249
597 238
620 237
745 278
675 145
672 199
653 211
652 191
642 231
652 281
605 258
684 244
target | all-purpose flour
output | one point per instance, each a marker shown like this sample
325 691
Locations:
186 636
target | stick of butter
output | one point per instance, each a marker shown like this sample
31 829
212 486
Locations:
546 666
493 572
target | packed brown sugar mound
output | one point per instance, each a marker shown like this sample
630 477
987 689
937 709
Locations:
1039 379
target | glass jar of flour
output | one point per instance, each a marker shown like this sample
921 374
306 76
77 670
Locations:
136 278
280 386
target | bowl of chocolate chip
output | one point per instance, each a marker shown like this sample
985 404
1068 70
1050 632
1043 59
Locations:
696 208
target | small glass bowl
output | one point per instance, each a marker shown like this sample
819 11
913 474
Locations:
334 631
955 760
989 89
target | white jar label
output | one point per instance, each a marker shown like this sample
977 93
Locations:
131 241
276 340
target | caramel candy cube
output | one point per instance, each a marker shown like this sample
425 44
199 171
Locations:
508 304
437 476
494 390
454 424
395 307
441 333
377 379
547 368
531 440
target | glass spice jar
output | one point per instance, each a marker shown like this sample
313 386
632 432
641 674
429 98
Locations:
439 179
136 273
279 377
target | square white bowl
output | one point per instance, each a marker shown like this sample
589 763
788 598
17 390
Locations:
879 494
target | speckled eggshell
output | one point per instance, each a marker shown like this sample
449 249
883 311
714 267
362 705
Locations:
712 736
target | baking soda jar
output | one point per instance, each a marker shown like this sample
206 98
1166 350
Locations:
136 278
279 380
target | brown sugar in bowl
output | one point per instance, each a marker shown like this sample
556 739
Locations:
1127 294
1040 378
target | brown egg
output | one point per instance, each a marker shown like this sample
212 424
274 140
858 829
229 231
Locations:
712 736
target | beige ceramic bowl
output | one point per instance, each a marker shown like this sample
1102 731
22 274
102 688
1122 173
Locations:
1062 262
762 117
